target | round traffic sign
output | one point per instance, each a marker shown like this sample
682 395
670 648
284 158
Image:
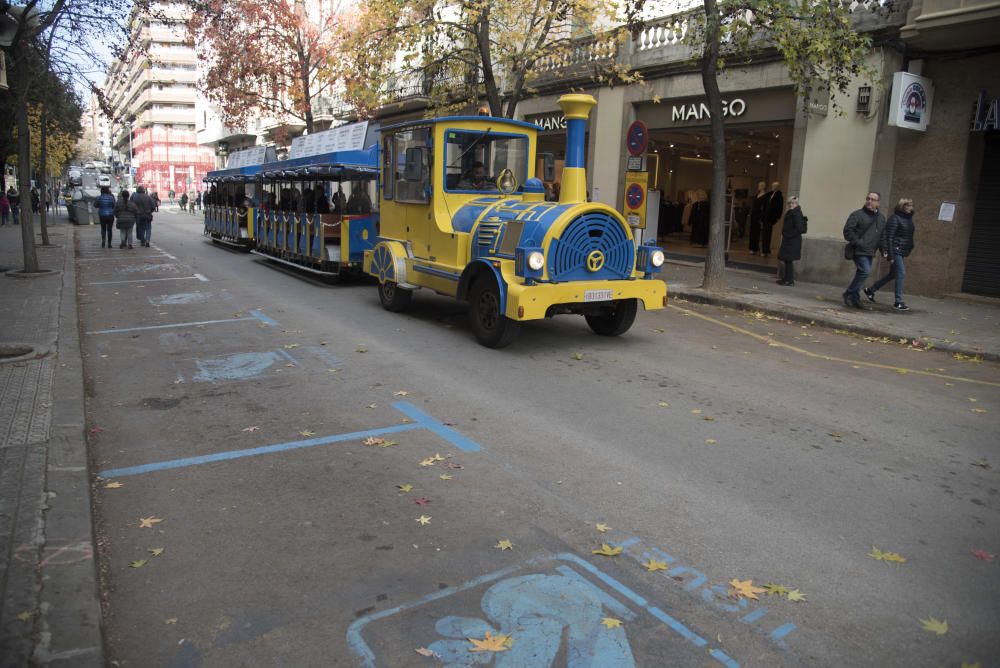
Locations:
634 195
637 138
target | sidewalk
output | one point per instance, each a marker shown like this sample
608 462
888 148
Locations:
960 324
49 607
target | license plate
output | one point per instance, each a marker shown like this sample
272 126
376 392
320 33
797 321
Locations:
597 295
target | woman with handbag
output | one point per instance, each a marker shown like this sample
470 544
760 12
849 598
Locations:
125 217
898 243
791 240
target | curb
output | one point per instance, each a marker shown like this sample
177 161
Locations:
70 621
808 317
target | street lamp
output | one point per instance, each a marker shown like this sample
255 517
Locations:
130 157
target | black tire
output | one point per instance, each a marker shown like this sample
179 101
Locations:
492 328
393 297
616 321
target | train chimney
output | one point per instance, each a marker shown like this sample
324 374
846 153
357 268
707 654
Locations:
576 109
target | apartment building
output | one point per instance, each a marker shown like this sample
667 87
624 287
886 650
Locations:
152 90
96 129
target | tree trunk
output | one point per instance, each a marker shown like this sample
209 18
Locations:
24 169
43 170
486 59
715 261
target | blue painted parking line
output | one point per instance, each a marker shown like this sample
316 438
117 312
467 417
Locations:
420 419
716 595
197 277
565 600
254 315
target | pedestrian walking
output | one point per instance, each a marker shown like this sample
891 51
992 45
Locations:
156 201
772 214
144 206
14 198
4 208
863 231
105 205
198 200
794 227
184 201
191 203
170 196
757 217
125 217
36 200
898 244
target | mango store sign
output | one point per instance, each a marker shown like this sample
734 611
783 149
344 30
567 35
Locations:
986 117
698 111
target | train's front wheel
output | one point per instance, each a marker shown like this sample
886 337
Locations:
393 297
492 328
614 321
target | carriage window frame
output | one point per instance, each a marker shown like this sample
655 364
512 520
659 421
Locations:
492 190
415 192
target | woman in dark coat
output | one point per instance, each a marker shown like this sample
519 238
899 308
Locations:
791 240
898 243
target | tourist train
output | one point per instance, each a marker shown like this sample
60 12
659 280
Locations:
449 204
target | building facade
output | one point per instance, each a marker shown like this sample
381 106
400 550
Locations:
152 91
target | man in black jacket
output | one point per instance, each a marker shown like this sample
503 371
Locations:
144 215
863 232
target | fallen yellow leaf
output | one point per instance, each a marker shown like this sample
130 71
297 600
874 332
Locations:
307 433
446 476
172 620
935 626
744 589
400 393
611 622
577 356
775 590
148 522
603 528
428 462
156 551
424 520
406 487
491 643
138 563
796 595
607 551
504 545
879 555
113 485
653 565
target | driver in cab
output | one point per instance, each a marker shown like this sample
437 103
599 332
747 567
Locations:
475 178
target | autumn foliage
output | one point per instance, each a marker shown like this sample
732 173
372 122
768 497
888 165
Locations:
271 57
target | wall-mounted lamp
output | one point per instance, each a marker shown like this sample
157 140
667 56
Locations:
864 99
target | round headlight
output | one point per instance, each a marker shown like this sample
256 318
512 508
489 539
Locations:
536 260
656 259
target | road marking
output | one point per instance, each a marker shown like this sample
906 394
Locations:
255 315
506 585
829 358
420 419
150 280
238 366
163 251
186 298
122 257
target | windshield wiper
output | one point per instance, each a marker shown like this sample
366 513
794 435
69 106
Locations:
473 145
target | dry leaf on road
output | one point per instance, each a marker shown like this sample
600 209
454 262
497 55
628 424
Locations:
491 643
423 520
504 545
603 528
983 555
251 428
138 563
775 590
156 551
405 487
935 626
148 522
796 595
744 589
307 433
607 551
879 555
611 622
653 565
113 485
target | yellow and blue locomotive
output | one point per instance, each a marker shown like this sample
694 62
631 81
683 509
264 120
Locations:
463 215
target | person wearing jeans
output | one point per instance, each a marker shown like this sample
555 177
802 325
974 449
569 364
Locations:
898 242
863 231
105 205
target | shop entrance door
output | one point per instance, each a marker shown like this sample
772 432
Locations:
982 262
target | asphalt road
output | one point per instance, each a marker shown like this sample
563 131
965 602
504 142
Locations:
230 399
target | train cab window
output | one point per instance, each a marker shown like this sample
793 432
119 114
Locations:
411 157
474 160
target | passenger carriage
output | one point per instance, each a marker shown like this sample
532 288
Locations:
319 213
462 214
231 196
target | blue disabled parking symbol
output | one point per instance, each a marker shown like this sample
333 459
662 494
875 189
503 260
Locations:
557 610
